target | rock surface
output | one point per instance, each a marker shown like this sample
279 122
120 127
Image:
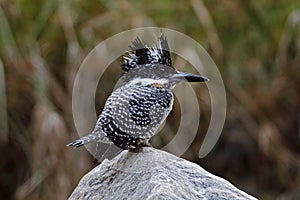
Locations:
153 174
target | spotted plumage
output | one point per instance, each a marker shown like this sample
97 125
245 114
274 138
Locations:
134 112
142 54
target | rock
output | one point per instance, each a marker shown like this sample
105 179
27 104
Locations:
153 174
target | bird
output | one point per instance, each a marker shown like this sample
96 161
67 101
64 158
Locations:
133 113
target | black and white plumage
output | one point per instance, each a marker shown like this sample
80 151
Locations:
134 112
142 54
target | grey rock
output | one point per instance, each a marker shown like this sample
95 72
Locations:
153 174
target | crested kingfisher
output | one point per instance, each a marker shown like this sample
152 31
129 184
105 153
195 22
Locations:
134 112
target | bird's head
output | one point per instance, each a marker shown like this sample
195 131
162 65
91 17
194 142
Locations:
145 65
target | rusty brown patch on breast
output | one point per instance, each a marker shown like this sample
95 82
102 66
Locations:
157 85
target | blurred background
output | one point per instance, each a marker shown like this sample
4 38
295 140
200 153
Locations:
255 44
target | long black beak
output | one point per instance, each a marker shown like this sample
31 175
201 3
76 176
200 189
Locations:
181 76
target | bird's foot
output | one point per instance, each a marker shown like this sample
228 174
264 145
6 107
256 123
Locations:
138 148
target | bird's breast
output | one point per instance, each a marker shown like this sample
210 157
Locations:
139 111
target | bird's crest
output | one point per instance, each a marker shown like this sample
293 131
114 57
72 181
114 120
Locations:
141 54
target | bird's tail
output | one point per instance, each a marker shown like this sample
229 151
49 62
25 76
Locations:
86 140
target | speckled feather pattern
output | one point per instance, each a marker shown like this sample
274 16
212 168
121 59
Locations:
142 54
133 114
135 111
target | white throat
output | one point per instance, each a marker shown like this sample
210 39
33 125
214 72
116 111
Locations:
147 81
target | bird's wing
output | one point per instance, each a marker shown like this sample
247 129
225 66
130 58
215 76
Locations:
142 102
137 112
130 114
